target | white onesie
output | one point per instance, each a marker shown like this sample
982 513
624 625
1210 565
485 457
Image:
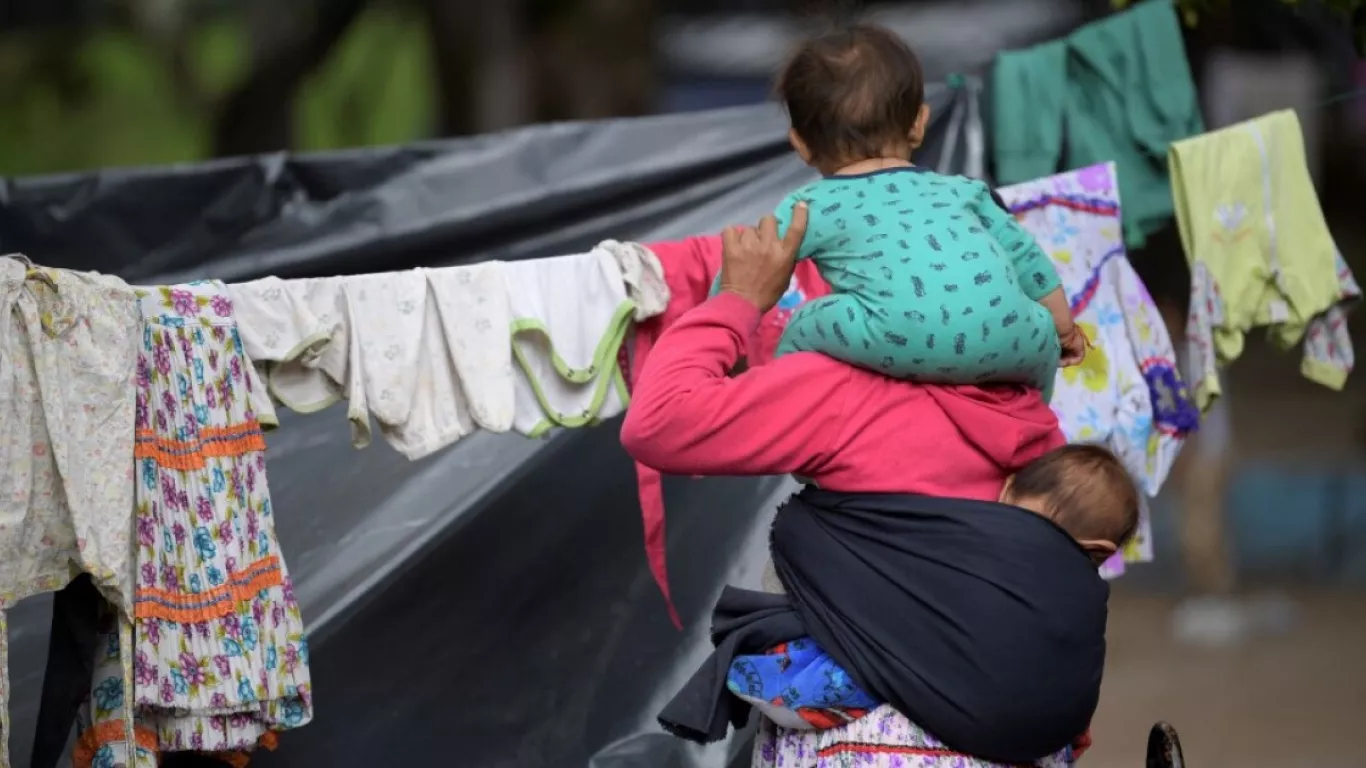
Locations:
287 328
570 315
462 378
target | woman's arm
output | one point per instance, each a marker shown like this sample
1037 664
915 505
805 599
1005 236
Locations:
688 417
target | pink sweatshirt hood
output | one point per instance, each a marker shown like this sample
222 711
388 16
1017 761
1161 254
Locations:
1011 425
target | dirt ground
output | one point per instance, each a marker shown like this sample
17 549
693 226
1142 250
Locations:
1294 700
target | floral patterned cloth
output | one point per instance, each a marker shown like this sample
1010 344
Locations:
220 655
1128 393
68 349
882 739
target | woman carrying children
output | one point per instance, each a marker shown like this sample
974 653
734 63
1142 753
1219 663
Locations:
938 574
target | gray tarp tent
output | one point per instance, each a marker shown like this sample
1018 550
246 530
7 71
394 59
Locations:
490 605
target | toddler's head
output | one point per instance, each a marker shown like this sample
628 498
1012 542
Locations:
1086 491
854 94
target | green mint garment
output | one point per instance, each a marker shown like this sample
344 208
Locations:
931 279
1118 89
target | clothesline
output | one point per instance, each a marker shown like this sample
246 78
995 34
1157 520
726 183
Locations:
1356 93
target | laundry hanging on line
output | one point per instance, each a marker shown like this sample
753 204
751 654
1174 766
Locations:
135 457
68 349
1116 90
1260 252
433 354
1128 393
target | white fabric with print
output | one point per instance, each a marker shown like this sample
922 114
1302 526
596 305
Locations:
387 312
287 327
433 354
463 375
475 315
68 358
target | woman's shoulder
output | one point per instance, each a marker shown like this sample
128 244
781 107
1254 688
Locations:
817 373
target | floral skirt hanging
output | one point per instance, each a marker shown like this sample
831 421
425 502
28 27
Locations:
220 660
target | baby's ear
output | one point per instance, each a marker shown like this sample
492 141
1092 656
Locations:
922 120
1100 550
1006 489
799 146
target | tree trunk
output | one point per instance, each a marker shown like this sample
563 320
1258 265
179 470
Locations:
502 79
258 115
597 61
451 30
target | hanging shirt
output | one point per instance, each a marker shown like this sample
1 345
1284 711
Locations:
1118 89
569 318
1128 393
68 356
1260 251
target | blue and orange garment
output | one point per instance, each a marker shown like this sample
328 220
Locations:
798 685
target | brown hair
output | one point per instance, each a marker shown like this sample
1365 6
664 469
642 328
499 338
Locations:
1086 491
853 93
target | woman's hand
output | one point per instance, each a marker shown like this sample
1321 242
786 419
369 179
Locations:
756 264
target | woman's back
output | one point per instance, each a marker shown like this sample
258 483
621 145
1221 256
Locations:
844 428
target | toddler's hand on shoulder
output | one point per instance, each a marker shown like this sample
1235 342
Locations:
1074 346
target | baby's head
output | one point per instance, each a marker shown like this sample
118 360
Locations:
854 94
1086 491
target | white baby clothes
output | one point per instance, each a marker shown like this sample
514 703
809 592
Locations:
463 378
570 315
476 320
386 314
287 329
427 352
430 352
644 277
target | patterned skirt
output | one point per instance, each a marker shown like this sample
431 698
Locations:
883 738
220 661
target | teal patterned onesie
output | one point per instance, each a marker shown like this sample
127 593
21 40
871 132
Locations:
931 280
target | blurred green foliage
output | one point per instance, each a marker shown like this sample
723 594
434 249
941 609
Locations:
102 97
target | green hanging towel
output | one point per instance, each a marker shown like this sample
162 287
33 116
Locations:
1119 90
